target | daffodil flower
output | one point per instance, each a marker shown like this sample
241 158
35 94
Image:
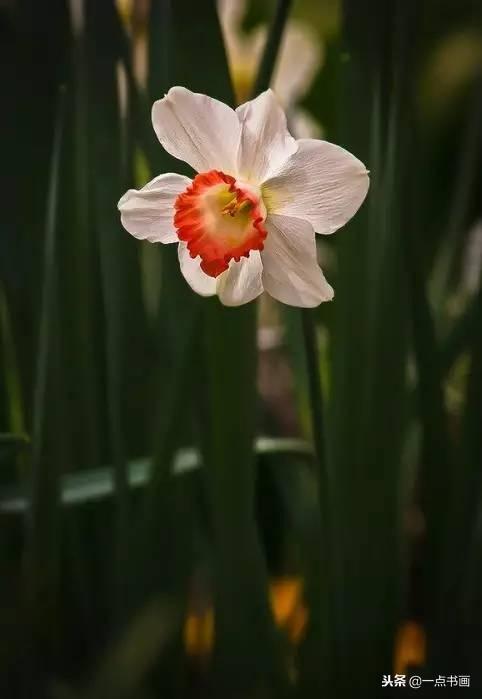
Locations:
300 56
246 222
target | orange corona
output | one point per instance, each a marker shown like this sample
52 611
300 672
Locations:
220 219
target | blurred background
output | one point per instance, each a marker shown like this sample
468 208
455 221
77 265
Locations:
252 502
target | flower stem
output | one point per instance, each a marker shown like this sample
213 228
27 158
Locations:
321 598
271 50
314 385
317 423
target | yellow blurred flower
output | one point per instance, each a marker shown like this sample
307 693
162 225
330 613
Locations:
289 612
291 616
124 8
134 15
454 63
410 647
301 56
199 634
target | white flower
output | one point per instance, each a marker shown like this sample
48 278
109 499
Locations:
300 57
247 220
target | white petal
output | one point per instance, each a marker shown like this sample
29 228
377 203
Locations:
197 129
191 270
304 125
266 143
291 272
321 182
231 12
300 58
241 283
148 213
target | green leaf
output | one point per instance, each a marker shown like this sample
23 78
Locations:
42 548
369 351
79 279
464 553
132 658
13 407
125 318
228 432
162 563
242 611
92 485
13 445
321 633
27 31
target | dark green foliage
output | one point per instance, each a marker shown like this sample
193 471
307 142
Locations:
136 485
